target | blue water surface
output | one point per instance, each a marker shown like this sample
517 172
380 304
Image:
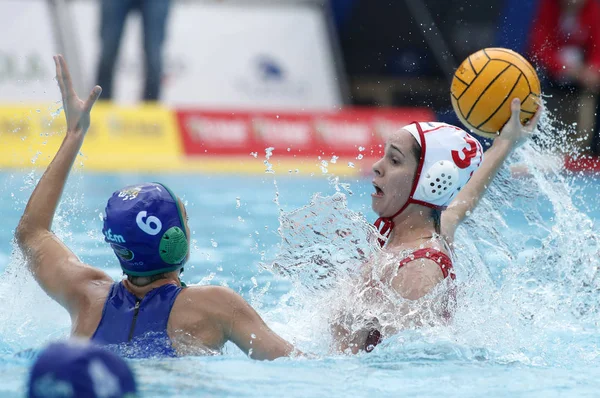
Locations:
234 220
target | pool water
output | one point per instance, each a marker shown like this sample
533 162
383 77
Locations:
526 328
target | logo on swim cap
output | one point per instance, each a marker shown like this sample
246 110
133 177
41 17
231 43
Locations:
130 194
113 237
122 252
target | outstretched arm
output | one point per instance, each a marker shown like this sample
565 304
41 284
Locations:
511 136
55 267
245 328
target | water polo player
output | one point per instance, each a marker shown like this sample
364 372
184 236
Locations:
150 313
430 177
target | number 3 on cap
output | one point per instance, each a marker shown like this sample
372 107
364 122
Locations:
148 226
469 154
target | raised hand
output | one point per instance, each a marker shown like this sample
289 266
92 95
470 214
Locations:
513 131
76 110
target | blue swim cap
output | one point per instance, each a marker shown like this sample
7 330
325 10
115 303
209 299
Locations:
80 369
144 226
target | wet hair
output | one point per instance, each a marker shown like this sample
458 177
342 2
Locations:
437 220
141 281
435 214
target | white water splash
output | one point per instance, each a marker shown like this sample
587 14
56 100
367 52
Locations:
528 289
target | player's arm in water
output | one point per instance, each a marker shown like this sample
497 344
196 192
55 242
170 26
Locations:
226 316
511 136
59 272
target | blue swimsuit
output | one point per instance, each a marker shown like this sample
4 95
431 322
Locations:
137 328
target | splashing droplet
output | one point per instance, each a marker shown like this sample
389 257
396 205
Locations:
324 165
269 153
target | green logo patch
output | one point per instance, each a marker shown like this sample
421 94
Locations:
124 253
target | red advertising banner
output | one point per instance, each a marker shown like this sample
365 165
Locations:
343 133
583 163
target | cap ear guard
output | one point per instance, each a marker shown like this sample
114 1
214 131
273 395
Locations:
440 181
174 246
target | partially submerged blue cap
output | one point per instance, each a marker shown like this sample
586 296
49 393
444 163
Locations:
80 369
144 226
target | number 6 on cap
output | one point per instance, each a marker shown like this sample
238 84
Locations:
147 226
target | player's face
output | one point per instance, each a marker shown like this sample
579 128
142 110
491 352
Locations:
395 174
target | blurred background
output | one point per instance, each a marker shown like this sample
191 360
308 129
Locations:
309 77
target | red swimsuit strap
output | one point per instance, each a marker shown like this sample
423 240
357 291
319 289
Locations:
439 257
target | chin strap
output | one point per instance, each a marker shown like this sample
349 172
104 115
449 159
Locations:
385 224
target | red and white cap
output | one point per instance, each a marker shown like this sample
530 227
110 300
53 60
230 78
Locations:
449 157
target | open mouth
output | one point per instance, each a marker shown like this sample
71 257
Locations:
378 191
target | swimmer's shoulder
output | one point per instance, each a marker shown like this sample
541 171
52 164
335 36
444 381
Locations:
420 269
88 298
204 312
436 244
92 287
201 300
210 296
416 278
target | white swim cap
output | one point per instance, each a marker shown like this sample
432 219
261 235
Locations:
449 157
